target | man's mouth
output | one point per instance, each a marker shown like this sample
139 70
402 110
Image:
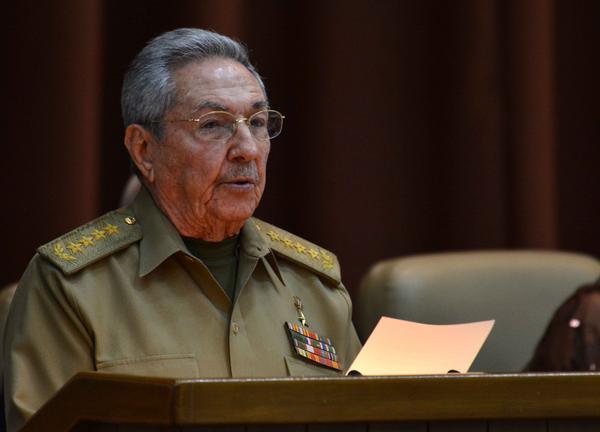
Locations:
241 182
242 177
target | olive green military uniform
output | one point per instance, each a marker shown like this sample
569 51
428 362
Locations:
122 294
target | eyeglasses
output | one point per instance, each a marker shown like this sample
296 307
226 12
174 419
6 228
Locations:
222 125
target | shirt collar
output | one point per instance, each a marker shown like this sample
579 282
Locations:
161 239
252 241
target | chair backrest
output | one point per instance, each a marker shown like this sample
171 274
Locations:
519 289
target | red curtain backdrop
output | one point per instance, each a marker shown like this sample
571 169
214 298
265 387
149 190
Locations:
411 126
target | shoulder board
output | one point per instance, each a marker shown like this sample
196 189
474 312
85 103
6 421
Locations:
300 251
92 242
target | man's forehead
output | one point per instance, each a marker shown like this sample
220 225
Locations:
218 84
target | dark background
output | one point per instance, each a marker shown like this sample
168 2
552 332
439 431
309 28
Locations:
411 126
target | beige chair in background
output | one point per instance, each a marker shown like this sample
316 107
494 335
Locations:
519 289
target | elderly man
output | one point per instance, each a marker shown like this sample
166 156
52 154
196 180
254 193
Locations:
184 282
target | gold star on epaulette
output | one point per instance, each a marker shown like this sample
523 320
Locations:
86 241
313 253
288 242
75 247
300 248
111 229
274 236
98 234
60 252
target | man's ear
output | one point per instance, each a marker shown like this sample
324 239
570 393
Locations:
140 144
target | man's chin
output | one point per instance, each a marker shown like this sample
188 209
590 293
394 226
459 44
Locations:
238 206
235 213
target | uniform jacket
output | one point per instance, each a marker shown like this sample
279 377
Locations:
122 294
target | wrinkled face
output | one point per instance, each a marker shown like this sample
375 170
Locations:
207 180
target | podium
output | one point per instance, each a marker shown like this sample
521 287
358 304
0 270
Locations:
556 402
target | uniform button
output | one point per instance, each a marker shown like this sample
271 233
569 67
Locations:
130 220
235 327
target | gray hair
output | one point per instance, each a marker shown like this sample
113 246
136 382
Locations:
149 90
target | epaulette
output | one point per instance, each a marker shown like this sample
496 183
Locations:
300 251
92 241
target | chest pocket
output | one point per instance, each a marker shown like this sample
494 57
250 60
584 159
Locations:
297 368
164 365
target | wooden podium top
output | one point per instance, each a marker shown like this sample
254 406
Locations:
125 399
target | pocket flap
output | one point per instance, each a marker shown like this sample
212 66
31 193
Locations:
164 365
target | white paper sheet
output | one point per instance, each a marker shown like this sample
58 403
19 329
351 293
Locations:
398 347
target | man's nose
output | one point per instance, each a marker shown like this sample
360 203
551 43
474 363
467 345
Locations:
243 145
